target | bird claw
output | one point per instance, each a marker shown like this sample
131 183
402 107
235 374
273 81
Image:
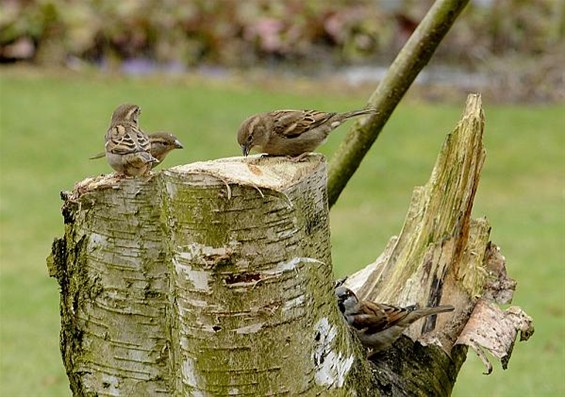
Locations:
299 158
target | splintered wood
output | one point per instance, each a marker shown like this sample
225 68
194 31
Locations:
181 282
442 256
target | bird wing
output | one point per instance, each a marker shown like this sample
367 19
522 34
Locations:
377 317
125 139
370 317
293 123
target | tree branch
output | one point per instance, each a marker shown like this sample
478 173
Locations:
409 62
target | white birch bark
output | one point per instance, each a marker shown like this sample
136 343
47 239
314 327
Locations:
207 279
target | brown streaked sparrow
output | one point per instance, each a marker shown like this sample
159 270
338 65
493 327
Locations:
290 132
127 147
162 143
378 325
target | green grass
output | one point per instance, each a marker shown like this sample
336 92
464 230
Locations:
51 123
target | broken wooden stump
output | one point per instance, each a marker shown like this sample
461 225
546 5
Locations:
443 256
211 278
215 278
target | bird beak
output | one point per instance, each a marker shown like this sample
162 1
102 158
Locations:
178 145
245 150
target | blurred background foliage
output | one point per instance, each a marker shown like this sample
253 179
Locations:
492 36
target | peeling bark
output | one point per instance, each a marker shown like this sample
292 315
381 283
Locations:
442 256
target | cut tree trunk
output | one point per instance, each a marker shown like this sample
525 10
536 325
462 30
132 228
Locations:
207 279
215 278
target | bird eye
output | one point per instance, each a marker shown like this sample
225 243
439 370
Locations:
249 138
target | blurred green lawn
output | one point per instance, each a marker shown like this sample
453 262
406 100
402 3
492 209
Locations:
51 123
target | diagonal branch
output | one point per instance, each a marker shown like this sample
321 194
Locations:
410 61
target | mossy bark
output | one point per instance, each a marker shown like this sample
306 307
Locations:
442 256
208 279
112 270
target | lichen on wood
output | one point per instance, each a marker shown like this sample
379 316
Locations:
212 278
114 285
443 256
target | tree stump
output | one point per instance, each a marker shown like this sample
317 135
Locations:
215 278
207 279
442 256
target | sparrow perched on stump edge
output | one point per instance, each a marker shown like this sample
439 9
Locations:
127 147
162 143
290 132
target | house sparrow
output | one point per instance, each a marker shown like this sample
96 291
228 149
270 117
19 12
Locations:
162 143
127 147
378 325
290 132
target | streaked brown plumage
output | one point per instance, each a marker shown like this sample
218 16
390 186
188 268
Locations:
290 132
378 325
162 143
127 147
